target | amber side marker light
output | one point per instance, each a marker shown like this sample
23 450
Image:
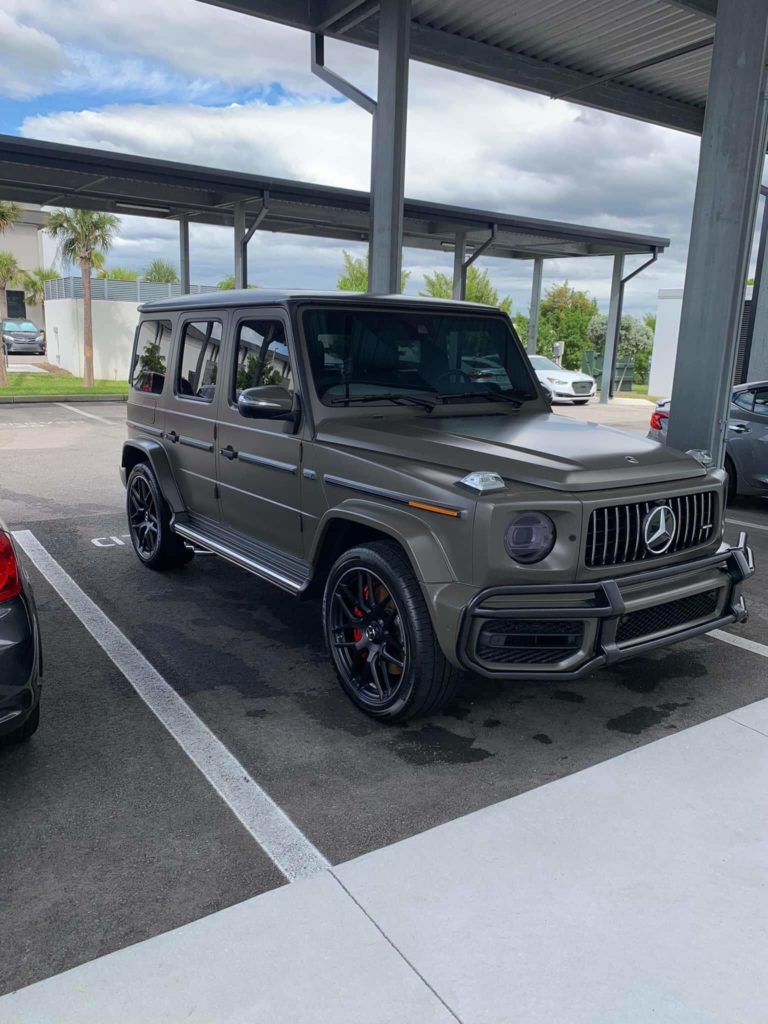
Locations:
435 508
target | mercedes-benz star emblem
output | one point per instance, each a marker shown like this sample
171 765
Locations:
659 528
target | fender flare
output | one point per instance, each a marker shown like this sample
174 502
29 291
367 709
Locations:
422 546
154 453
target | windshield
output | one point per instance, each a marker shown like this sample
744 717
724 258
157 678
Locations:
357 354
542 363
20 325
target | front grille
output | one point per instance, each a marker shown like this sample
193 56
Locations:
582 387
662 617
615 533
529 641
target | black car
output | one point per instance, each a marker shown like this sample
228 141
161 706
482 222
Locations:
23 337
21 659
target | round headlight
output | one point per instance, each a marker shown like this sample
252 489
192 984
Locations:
530 537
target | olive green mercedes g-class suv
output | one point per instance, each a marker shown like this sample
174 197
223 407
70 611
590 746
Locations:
398 457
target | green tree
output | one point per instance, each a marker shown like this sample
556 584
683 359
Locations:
226 283
81 234
10 214
479 288
635 338
33 283
9 272
649 319
118 274
161 272
564 315
354 276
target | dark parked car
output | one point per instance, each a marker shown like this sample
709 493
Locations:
746 443
339 444
23 337
20 650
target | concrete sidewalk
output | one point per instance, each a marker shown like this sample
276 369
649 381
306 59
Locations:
636 890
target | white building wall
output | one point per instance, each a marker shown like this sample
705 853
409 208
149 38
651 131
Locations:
24 241
668 309
114 325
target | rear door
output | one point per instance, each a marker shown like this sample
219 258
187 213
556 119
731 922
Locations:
259 460
748 436
191 409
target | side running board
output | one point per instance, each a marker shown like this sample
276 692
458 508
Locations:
292 579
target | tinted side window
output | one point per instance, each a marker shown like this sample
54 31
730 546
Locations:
198 360
261 356
744 400
761 402
150 363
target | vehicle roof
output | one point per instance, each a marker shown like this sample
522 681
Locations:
750 385
270 297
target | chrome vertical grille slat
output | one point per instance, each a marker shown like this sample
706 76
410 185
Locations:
695 518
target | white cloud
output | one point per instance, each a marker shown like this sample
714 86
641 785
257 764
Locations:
31 59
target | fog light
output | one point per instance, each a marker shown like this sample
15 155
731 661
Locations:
530 537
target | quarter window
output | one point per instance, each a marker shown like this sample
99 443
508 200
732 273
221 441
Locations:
198 360
153 346
261 357
761 402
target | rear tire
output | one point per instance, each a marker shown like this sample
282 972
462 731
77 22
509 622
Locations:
380 636
733 483
149 523
29 728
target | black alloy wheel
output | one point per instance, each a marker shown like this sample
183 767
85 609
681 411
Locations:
149 522
369 642
380 635
143 519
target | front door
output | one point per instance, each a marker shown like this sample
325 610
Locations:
190 419
259 460
748 436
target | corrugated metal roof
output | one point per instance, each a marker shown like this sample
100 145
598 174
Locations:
53 174
586 50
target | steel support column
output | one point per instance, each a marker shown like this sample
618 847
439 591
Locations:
388 166
612 329
533 315
459 281
241 252
730 165
184 253
756 354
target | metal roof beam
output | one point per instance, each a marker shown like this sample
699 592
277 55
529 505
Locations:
706 7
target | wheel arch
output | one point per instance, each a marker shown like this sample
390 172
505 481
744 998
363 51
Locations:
138 450
357 522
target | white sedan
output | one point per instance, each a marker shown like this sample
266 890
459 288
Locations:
563 385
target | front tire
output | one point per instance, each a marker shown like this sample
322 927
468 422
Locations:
149 523
29 728
380 636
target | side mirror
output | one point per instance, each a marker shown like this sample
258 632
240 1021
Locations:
270 402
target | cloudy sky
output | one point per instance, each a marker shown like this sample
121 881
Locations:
184 81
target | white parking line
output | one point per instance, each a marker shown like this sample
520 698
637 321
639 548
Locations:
283 842
752 526
740 641
90 415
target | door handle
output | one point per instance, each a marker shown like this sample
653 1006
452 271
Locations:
172 436
738 428
228 452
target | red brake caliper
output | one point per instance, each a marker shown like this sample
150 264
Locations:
358 633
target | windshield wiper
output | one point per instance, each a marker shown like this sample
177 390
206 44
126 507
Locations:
396 397
489 396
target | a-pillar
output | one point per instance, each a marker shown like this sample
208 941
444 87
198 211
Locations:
730 166
388 164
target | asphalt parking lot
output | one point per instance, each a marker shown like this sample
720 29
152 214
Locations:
112 835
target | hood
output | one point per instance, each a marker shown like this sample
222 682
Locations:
541 449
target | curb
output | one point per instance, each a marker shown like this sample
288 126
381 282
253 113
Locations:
24 399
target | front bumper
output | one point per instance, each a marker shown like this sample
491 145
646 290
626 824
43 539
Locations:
566 632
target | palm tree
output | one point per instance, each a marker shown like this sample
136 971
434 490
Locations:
9 272
82 234
10 214
161 272
33 283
